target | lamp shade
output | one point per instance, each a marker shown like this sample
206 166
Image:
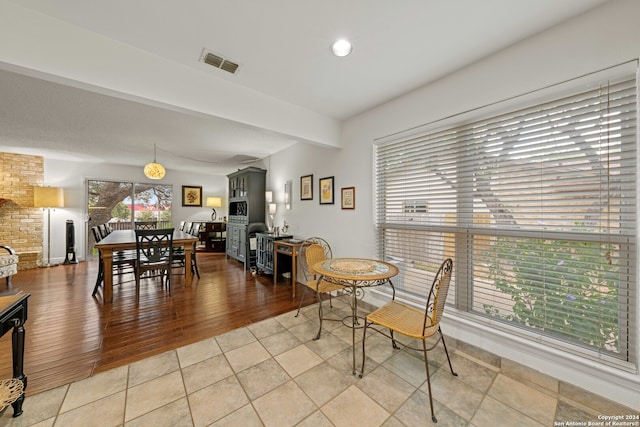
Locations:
272 208
214 202
154 170
48 197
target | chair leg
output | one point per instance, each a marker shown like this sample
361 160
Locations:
194 267
320 315
301 300
99 279
137 273
426 364
364 356
446 352
393 340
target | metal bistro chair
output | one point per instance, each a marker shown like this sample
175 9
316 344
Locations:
316 249
154 252
414 323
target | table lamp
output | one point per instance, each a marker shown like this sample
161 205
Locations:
213 203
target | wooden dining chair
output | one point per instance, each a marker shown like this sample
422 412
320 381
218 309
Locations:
146 225
179 253
316 249
154 253
104 231
413 323
123 262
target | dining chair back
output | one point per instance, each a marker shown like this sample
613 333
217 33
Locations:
146 225
195 228
104 231
95 230
187 226
315 250
414 323
179 253
154 252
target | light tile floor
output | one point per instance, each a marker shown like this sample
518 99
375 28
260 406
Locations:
273 373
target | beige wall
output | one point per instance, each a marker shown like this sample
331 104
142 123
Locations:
20 222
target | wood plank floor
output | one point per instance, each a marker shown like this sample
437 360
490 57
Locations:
71 335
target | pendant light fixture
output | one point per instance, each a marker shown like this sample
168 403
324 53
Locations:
154 170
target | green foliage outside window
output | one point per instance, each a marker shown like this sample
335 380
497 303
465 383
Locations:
571 290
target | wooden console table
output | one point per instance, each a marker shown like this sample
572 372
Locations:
13 315
289 248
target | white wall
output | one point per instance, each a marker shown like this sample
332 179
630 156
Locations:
598 39
72 177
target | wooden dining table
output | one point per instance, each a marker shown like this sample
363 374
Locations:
354 274
119 240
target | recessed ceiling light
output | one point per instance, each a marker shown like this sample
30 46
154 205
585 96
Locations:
341 48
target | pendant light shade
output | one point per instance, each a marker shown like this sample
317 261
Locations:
154 170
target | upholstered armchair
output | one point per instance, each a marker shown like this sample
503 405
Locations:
8 263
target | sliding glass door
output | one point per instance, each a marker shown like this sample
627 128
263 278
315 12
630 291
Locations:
121 204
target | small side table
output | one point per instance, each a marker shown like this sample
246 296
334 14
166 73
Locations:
292 249
13 315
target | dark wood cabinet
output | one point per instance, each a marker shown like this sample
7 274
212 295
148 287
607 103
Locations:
246 206
214 236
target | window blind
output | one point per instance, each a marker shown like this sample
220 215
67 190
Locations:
536 205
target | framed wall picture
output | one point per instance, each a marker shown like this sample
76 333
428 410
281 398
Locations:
326 190
306 187
191 195
348 198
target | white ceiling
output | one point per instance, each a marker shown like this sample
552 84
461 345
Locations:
282 47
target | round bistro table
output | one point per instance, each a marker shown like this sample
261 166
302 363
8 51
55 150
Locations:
354 274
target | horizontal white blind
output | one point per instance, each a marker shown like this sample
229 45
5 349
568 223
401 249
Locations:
536 205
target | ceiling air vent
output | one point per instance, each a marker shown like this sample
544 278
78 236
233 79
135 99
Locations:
229 66
212 59
219 62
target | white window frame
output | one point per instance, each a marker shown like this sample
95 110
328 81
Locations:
403 223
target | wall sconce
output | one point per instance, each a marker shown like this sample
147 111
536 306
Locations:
268 196
272 212
287 195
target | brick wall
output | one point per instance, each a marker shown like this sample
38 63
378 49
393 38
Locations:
20 222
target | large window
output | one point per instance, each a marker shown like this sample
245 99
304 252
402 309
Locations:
536 204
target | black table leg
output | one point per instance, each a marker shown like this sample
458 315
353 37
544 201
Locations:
18 364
